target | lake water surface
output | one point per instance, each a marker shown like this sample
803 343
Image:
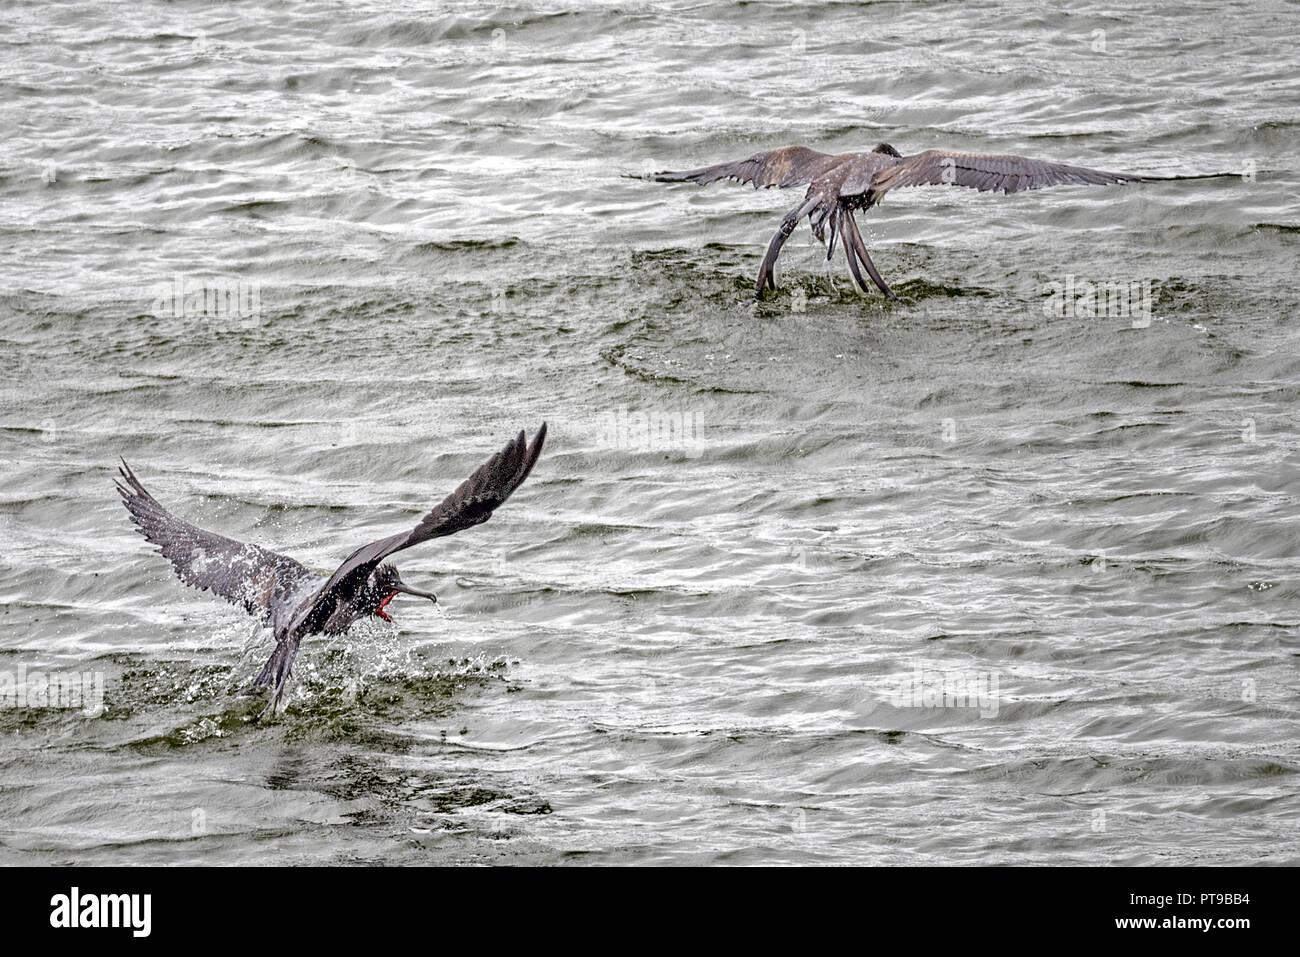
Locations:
960 580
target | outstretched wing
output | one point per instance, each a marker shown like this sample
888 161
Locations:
788 166
982 171
471 504
247 575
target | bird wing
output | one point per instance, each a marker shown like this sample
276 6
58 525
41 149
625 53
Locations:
982 171
243 574
471 504
788 166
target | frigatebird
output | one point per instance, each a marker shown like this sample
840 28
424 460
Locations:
842 183
296 602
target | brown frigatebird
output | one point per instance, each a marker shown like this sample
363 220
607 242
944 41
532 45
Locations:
295 602
842 183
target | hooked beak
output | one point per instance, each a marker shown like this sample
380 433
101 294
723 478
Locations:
417 593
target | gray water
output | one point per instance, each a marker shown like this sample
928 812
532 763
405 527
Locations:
700 650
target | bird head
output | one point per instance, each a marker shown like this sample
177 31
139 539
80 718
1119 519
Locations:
385 585
887 150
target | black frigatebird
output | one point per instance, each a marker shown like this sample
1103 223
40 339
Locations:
296 602
842 183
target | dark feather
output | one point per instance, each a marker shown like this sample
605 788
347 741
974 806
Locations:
788 166
246 575
987 172
280 589
471 504
840 184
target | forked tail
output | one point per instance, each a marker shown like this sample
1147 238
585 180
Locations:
856 249
767 270
275 674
